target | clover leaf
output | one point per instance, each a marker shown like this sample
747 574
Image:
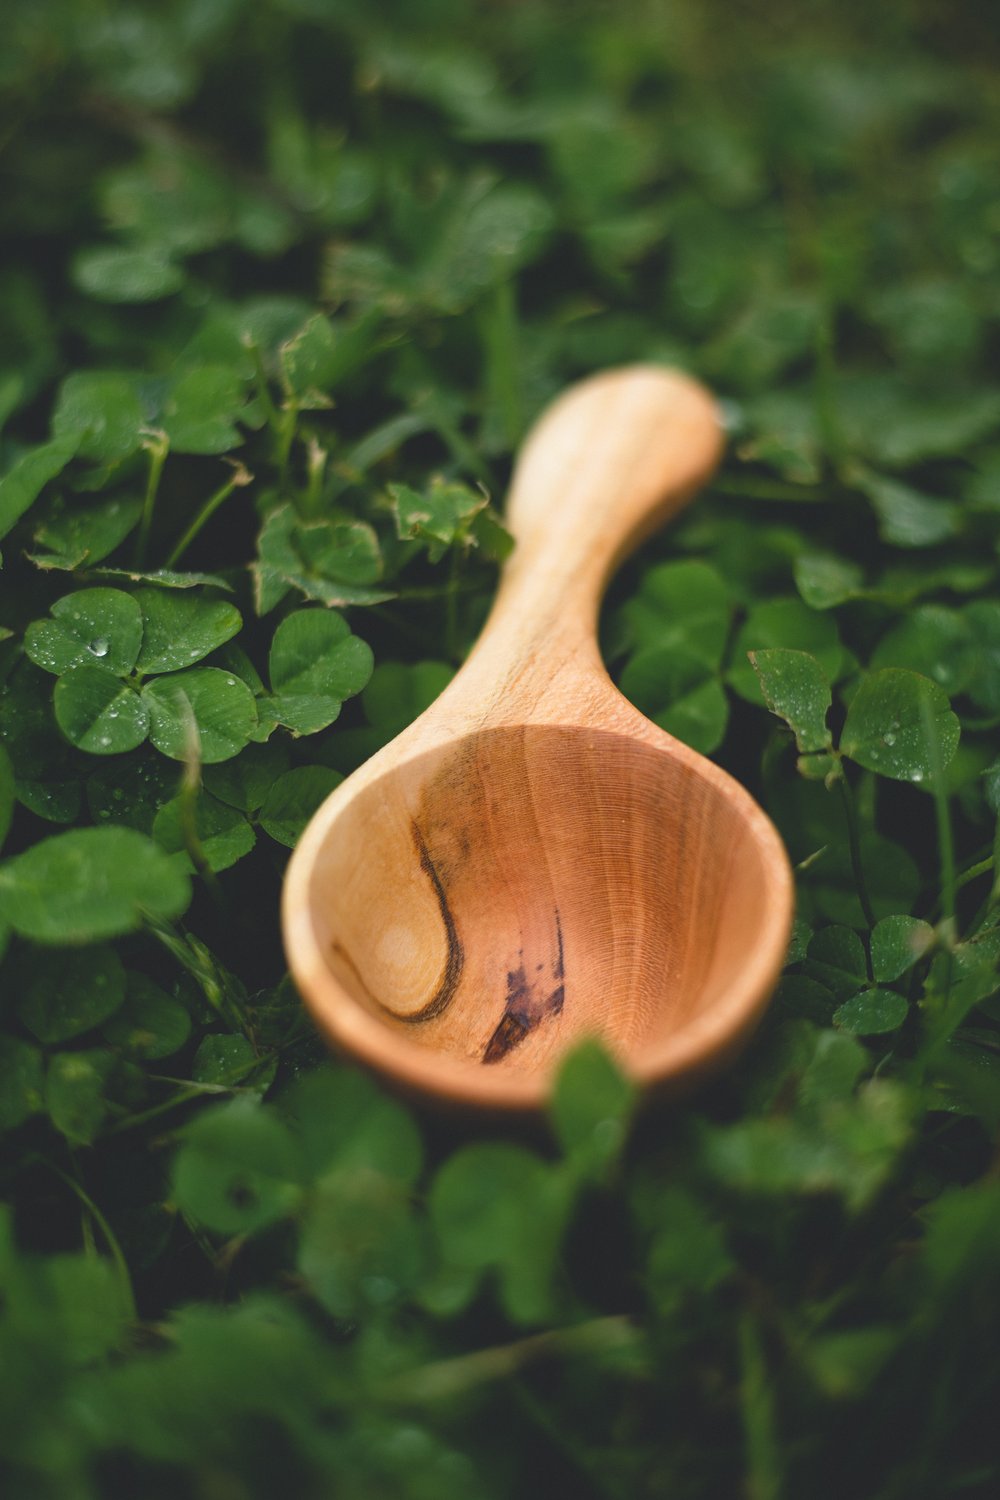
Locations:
681 603
824 581
239 1169
292 800
934 640
890 721
346 1123
447 514
179 628
88 884
311 362
499 1206
62 995
205 712
98 712
796 688
21 1082
222 833
314 664
91 626
76 1092
116 273
149 1024
873 1012
673 686
246 781
102 413
788 624
22 483
399 691
907 517
202 408
332 562
67 537
897 943
360 1249
590 1107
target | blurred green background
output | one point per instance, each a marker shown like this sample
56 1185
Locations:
788 1288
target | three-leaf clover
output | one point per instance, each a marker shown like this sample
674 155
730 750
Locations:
899 723
101 643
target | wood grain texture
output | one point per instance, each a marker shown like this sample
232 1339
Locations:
532 860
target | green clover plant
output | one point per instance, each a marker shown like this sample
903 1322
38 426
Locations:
283 287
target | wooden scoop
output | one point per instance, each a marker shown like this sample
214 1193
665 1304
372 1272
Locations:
532 860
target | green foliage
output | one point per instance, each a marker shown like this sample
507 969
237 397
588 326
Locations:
89 884
206 713
238 1169
796 689
447 515
679 621
314 664
180 629
899 724
283 287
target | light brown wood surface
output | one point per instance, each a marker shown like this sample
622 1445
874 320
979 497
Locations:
532 860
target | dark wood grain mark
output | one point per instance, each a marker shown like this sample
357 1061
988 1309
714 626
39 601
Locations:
445 993
527 1004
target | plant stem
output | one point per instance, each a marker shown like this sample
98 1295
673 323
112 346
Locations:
854 842
188 808
186 1093
206 971
946 842
826 400
455 440
451 604
499 328
107 1233
757 1400
445 1378
157 446
263 391
982 867
240 477
316 461
285 438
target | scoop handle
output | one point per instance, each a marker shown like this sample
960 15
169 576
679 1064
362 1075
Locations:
604 466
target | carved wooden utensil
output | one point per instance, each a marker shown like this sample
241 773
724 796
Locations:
532 860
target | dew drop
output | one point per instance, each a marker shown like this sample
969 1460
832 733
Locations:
889 739
104 740
230 682
917 776
99 647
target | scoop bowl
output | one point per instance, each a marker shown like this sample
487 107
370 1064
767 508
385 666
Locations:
532 861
